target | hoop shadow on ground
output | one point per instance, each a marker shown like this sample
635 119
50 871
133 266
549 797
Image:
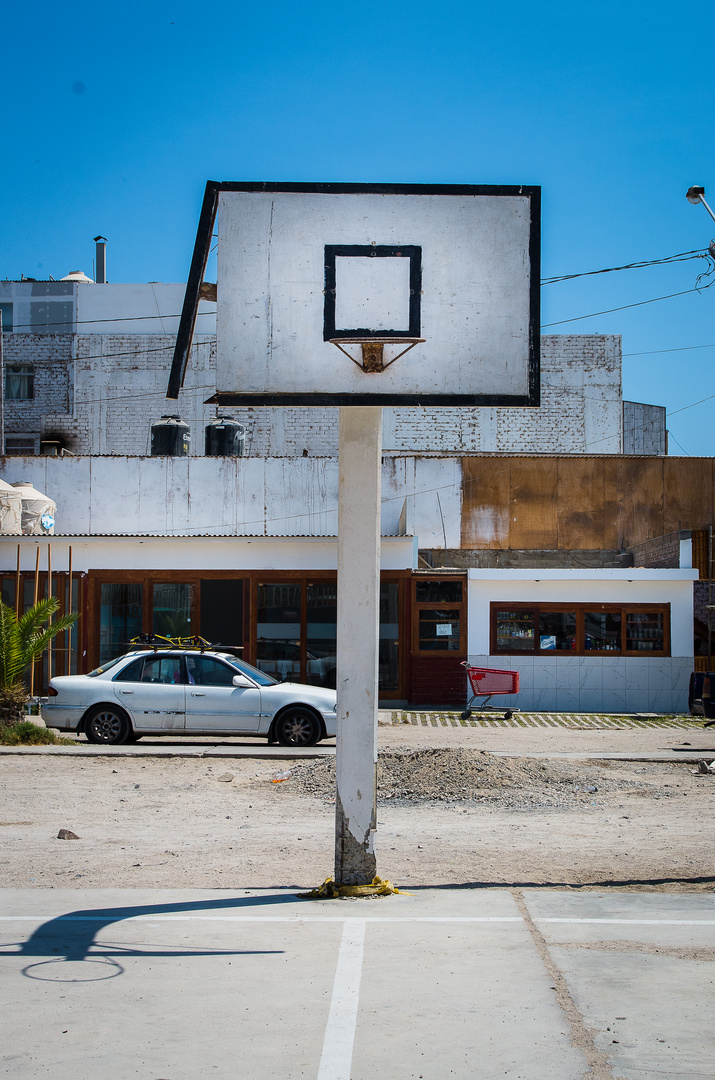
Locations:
70 939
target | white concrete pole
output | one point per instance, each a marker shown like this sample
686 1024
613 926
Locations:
357 643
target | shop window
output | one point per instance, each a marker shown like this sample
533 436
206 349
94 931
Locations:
120 618
557 631
278 638
19 382
439 592
321 632
581 629
389 661
439 616
172 609
515 631
602 631
645 631
222 611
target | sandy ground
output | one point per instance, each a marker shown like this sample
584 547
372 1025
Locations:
171 822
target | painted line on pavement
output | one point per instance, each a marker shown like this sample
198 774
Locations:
263 918
632 922
342 918
337 1056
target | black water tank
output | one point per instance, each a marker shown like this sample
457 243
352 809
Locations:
170 437
224 438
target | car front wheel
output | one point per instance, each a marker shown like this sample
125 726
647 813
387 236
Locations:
108 725
297 727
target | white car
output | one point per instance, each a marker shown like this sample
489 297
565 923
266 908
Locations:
186 691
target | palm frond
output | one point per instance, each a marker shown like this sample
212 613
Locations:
35 618
37 644
23 640
11 664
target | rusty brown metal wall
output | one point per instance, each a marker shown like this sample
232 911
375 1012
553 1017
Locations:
579 502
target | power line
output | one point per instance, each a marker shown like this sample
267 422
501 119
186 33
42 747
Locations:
672 436
609 311
691 405
683 348
683 256
90 322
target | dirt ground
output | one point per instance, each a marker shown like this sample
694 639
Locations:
173 822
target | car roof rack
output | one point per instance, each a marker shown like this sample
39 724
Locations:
159 641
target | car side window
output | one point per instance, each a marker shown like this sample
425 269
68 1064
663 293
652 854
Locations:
205 671
132 672
162 669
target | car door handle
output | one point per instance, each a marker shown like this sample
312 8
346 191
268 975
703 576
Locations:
126 691
197 693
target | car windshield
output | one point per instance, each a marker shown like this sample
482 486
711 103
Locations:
105 667
248 669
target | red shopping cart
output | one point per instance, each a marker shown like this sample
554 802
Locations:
486 682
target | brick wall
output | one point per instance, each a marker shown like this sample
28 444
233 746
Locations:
661 551
120 388
51 357
437 681
120 382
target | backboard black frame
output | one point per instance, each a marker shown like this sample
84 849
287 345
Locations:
199 261
372 251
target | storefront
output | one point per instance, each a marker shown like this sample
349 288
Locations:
274 600
586 640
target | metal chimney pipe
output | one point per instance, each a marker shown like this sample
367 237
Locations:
101 277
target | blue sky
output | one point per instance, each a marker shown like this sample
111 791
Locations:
116 115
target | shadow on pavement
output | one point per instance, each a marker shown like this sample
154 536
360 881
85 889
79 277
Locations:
70 938
610 883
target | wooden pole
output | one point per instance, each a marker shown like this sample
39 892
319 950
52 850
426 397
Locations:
17 585
49 597
37 588
69 608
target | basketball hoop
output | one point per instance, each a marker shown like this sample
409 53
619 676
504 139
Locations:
373 360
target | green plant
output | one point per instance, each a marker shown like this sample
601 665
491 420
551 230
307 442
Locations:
23 640
25 733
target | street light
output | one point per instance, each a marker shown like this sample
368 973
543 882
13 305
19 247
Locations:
696 195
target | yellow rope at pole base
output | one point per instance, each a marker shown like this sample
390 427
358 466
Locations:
329 890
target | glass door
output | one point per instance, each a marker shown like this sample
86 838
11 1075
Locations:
278 630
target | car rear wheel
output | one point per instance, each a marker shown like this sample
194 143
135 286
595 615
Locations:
108 725
297 727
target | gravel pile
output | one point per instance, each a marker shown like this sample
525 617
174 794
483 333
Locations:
458 775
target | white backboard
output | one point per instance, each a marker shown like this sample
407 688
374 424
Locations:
301 267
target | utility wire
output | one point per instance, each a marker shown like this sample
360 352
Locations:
683 348
683 256
672 436
89 322
609 311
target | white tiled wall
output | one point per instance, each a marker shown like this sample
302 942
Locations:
595 683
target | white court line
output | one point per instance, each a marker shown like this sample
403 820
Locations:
337 1056
633 922
263 918
108 920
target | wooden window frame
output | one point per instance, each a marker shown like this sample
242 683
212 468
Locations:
579 609
251 578
437 605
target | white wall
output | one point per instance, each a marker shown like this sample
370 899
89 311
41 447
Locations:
189 553
147 308
232 496
633 585
562 682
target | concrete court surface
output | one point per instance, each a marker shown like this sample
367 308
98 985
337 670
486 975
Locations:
442 983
